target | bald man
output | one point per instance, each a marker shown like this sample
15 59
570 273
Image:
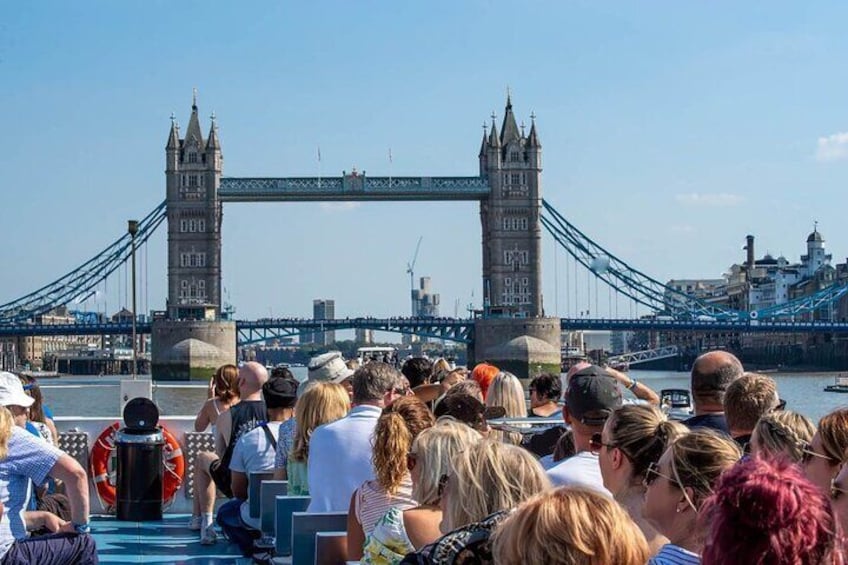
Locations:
212 470
712 373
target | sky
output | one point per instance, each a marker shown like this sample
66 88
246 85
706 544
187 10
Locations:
670 131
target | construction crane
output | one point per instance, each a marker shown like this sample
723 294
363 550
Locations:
410 270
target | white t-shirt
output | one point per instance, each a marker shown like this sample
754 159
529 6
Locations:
582 470
253 453
340 459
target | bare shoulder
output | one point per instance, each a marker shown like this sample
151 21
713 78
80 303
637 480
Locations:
422 525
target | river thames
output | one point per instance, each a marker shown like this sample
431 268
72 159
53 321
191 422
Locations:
98 396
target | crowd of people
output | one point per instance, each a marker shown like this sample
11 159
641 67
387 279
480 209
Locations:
424 477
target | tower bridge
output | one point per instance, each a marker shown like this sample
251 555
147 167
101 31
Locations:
512 214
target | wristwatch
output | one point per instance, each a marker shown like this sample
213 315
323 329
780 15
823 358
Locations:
82 528
633 383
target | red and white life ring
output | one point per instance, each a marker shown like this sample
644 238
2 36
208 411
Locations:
104 467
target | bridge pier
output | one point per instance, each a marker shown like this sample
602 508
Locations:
525 347
191 349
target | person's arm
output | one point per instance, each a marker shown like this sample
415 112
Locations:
67 470
640 390
280 474
202 421
355 535
51 425
238 482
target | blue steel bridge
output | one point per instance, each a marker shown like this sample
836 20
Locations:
458 330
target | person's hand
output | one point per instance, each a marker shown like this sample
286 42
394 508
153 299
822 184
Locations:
55 524
449 381
621 377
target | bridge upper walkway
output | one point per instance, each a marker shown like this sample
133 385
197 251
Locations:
351 187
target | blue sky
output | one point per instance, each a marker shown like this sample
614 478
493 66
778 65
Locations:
670 131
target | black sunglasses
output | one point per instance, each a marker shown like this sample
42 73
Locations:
596 442
652 473
835 490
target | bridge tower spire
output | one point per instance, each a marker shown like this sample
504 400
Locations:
193 172
510 217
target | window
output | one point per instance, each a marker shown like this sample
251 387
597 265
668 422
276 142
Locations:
515 178
192 157
192 226
183 283
201 284
514 156
201 226
183 226
192 181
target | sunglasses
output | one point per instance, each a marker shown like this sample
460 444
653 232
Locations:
596 442
835 490
443 483
781 405
652 473
807 454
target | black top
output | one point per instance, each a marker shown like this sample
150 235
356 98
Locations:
712 421
247 414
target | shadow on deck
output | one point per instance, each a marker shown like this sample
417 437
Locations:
168 541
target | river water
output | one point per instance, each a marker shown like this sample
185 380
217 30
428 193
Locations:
99 396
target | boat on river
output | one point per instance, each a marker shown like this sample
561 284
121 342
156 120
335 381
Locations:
676 403
840 385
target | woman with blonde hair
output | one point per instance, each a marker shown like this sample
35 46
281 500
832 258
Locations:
222 394
634 437
677 487
506 391
401 422
824 454
569 526
322 402
400 532
782 433
488 480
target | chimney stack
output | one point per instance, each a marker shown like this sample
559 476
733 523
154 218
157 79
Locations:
749 246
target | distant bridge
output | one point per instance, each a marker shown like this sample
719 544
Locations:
460 330
636 357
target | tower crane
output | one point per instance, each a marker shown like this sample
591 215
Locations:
410 270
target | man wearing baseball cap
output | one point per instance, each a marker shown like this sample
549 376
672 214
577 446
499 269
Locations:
32 459
590 398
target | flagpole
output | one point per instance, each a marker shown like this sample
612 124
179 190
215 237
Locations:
390 168
319 167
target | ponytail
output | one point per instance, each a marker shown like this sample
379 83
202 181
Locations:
396 429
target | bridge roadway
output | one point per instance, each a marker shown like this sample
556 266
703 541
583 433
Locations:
452 329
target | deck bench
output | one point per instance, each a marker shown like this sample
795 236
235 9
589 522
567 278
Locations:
284 508
304 527
331 548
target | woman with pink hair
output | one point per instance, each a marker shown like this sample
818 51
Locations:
766 511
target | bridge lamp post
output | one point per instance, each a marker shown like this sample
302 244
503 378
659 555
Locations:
132 229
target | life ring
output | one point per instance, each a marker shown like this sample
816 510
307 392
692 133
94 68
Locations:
104 467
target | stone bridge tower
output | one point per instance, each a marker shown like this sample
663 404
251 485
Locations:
193 171
512 254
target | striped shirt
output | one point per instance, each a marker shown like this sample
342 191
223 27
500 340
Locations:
372 502
671 554
30 460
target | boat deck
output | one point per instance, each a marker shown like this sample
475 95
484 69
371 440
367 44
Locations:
168 541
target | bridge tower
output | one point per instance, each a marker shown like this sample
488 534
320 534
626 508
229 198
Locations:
510 218
513 333
193 171
193 341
